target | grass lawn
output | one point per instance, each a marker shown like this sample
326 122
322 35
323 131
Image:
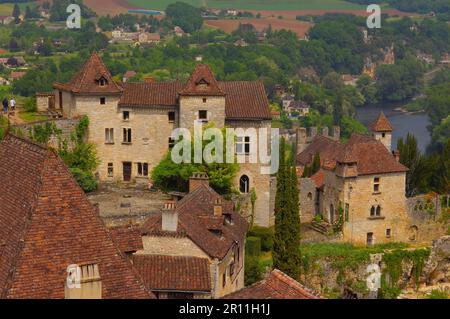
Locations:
32 117
254 4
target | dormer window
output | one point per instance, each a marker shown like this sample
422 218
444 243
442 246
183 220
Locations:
102 82
203 84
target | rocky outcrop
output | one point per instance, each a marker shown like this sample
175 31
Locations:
437 269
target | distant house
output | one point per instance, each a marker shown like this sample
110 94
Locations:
241 43
16 75
275 114
146 38
445 59
349 79
128 75
286 99
4 81
297 109
179 32
6 20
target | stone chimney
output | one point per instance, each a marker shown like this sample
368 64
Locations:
325 131
218 211
396 155
336 133
169 217
149 79
196 180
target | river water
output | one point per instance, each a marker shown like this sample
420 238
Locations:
403 123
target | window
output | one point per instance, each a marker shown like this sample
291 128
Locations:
231 269
244 184
102 82
375 211
142 169
204 100
110 170
126 115
171 117
224 279
370 239
309 196
109 135
378 212
203 116
383 135
376 184
243 145
103 100
347 212
388 233
171 143
127 135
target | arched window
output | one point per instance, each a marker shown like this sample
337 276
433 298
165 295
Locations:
244 184
378 210
310 196
372 211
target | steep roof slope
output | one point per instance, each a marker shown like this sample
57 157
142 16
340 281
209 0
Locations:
47 224
86 81
277 285
381 124
202 82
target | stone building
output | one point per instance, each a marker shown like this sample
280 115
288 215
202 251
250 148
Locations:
132 123
49 232
198 241
361 182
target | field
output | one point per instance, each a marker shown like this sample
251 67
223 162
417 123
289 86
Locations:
6 9
254 4
227 25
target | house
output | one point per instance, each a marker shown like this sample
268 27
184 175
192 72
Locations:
349 79
241 43
53 243
198 243
179 32
16 75
361 184
276 285
147 38
132 124
128 75
4 81
296 109
445 59
5 20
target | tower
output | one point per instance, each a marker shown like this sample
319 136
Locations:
381 129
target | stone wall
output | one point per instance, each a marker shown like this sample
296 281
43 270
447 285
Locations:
308 200
190 105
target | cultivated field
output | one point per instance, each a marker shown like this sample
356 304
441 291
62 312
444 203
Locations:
254 4
300 28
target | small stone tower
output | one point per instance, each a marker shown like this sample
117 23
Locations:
381 129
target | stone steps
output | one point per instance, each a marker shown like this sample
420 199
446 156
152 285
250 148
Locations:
321 227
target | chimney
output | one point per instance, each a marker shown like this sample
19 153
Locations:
218 207
396 155
325 131
336 133
149 80
196 180
169 217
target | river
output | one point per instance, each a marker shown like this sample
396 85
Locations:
403 123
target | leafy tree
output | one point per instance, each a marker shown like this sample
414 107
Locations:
185 16
16 13
316 164
170 176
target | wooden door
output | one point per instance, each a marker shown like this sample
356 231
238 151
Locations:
127 171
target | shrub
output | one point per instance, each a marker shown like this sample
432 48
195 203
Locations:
30 105
253 270
266 236
253 246
437 294
86 180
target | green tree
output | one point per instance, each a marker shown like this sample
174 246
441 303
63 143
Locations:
185 16
286 253
16 13
410 156
316 164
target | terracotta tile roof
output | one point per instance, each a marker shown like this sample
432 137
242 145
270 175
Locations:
174 273
328 149
128 239
277 285
370 155
381 124
319 178
202 82
245 100
150 94
86 81
196 220
15 75
47 224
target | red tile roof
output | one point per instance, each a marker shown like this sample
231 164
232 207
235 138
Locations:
370 155
381 124
202 82
150 94
196 220
277 285
174 273
319 178
47 224
86 81
128 239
